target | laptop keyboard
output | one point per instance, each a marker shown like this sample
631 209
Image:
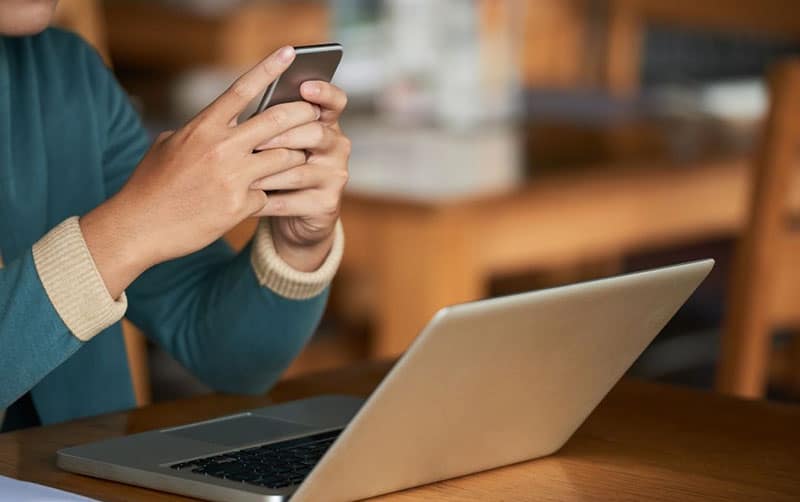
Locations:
275 465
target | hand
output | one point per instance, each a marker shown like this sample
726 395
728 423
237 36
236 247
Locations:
305 211
196 183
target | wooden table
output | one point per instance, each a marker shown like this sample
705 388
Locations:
644 442
418 256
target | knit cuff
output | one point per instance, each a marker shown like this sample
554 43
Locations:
277 275
73 283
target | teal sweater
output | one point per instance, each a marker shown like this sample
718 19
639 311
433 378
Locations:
68 141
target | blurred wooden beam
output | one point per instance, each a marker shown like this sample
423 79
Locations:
158 36
556 47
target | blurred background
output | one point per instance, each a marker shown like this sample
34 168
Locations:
507 145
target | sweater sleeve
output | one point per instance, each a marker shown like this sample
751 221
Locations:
51 299
235 321
33 337
210 312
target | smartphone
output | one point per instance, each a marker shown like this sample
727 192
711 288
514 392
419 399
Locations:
311 62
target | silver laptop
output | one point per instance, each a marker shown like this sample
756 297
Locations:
485 384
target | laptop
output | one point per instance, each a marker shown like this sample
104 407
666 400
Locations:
485 384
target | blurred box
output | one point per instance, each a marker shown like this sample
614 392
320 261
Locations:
431 163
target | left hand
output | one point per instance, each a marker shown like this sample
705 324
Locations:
304 213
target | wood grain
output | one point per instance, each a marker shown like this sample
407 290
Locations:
644 442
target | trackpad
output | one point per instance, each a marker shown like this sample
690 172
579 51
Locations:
240 430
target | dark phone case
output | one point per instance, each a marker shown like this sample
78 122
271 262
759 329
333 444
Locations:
312 62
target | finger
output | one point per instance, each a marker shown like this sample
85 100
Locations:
275 121
247 87
273 161
301 203
330 98
256 200
313 136
296 178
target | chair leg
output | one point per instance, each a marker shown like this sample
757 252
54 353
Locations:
744 354
136 346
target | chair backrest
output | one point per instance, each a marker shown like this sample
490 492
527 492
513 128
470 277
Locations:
765 287
628 21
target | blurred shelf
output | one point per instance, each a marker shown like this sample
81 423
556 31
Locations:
158 36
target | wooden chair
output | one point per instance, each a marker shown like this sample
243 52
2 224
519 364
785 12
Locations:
628 21
85 18
765 289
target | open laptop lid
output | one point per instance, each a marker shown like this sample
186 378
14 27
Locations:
499 381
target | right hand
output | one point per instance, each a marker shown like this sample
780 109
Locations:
195 183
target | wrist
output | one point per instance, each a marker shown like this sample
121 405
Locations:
115 244
301 256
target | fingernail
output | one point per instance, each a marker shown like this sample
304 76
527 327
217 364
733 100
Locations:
286 54
311 89
318 112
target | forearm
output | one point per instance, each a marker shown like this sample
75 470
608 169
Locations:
34 339
250 335
122 249
210 312
235 321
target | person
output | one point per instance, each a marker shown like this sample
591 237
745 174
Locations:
96 224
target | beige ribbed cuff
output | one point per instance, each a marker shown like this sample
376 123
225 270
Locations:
277 275
73 283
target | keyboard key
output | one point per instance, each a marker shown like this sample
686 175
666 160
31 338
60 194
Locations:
275 466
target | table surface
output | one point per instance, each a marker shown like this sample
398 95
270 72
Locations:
644 442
